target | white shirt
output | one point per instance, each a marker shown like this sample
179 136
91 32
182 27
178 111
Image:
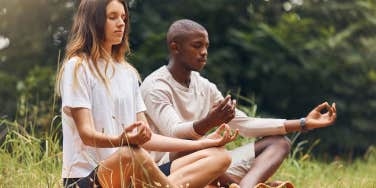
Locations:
172 108
111 111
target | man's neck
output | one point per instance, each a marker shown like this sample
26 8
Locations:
179 73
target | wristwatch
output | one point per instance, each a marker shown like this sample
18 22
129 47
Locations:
303 127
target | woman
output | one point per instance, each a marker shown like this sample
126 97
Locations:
104 126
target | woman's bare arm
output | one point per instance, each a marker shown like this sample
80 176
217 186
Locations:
89 136
170 144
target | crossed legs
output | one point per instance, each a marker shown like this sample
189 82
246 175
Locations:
196 170
133 165
270 153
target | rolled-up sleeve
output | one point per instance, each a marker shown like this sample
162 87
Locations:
255 127
161 111
249 126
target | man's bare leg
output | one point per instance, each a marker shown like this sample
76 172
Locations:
270 153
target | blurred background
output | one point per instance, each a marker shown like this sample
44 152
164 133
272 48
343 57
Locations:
285 56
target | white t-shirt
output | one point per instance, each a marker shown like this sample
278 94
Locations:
111 111
172 108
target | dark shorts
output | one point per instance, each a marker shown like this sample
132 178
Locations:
89 181
165 168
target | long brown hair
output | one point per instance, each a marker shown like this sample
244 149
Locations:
87 37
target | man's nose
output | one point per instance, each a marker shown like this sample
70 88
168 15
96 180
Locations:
204 51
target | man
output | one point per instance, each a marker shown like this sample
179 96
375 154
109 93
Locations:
181 103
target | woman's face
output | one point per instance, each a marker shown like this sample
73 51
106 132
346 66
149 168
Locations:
116 19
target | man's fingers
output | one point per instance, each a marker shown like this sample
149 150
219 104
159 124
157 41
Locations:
233 104
322 106
217 104
334 115
227 108
334 107
330 110
224 102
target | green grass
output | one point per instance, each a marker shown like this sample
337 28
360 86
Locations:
27 161
311 173
307 172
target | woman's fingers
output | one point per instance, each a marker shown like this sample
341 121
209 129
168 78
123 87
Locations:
133 126
228 136
233 137
220 129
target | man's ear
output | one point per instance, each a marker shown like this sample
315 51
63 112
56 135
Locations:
174 47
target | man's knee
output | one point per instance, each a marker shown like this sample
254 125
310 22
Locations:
284 144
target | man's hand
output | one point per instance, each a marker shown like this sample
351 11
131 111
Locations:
223 112
315 119
139 137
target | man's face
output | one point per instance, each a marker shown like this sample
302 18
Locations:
193 50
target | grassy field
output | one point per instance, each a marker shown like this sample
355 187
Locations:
27 161
305 172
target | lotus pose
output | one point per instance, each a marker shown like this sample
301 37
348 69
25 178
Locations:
105 132
183 104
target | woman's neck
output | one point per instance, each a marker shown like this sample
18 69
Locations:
108 48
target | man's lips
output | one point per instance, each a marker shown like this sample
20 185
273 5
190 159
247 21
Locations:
202 60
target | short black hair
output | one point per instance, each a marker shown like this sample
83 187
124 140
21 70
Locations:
181 28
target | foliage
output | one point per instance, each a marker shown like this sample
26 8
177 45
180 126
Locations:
288 55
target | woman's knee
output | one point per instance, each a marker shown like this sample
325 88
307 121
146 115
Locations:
221 155
133 154
125 154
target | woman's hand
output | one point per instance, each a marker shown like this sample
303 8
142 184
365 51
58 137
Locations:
136 134
315 119
216 138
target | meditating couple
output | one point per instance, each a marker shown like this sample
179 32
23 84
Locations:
117 134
